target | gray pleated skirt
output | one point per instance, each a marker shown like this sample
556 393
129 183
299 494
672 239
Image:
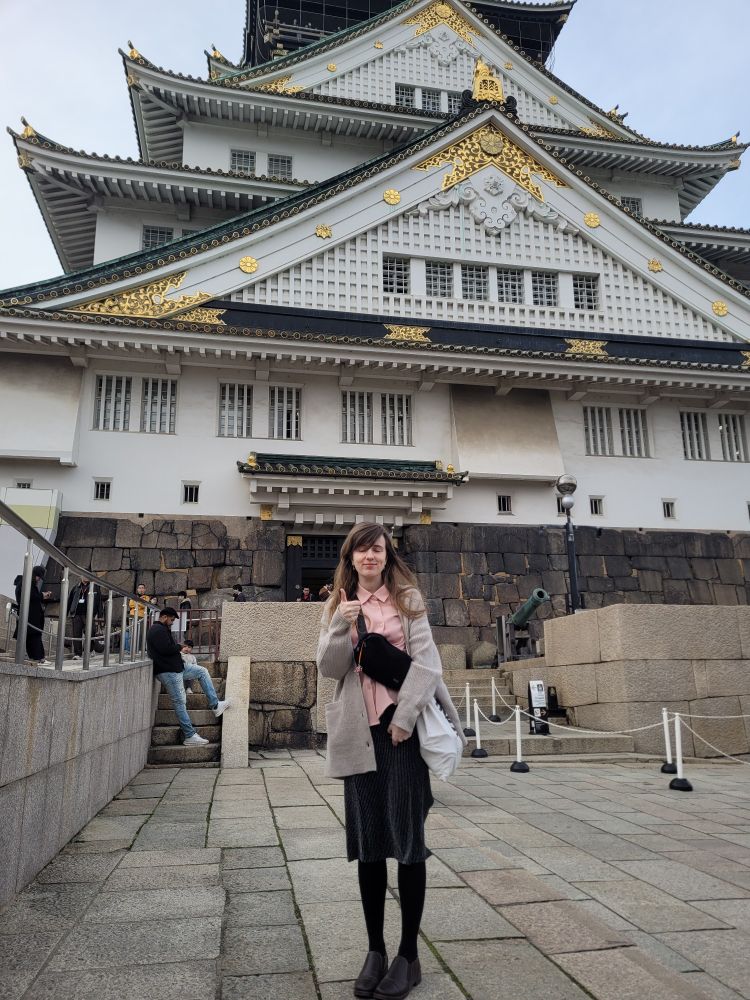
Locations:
386 809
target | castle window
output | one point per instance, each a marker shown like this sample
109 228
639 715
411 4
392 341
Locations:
159 405
633 433
544 288
475 281
634 205
395 418
509 284
156 236
190 492
396 275
102 489
242 161
406 96
560 508
356 417
439 275
23 484
280 166
597 506
694 427
430 99
597 430
586 291
732 436
668 509
284 412
454 102
235 410
504 503
112 403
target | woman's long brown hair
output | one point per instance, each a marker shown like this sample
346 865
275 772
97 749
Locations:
397 576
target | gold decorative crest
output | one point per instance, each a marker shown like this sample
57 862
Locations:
378 45
132 80
324 232
266 512
201 315
415 334
592 220
587 348
554 99
442 13
508 65
294 541
597 130
249 265
252 460
24 160
746 356
149 301
720 308
279 86
391 196
28 131
217 55
655 265
487 145
425 517
133 53
331 67
485 86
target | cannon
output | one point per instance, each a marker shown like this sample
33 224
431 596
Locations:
513 639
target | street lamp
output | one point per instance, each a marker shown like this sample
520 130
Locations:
566 486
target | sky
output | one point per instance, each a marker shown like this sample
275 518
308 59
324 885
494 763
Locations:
679 67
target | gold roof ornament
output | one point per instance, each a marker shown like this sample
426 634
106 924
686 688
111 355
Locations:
252 460
746 356
378 45
485 86
200 315
592 220
133 53
720 308
391 196
148 301
248 265
425 517
216 54
324 232
587 348
28 131
280 85
413 334
442 13
615 115
655 265
438 465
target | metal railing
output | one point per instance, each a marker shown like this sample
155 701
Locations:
132 624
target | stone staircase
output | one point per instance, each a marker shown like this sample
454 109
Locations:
500 739
166 737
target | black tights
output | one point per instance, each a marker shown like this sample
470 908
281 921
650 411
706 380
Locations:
373 882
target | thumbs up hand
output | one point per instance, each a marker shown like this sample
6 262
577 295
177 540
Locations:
349 609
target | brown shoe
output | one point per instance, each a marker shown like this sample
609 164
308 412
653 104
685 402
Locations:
375 967
402 977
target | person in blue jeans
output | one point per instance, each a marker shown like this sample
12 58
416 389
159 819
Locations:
172 671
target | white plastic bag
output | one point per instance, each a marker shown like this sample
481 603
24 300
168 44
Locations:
439 743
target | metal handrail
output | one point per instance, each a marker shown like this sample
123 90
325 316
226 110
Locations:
139 618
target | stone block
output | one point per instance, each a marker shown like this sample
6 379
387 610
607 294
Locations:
483 654
575 684
456 612
282 683
199 578
599 585
235 728
82 556
239 557
423 562
268 569
725 594
452 656
169 583
209 557
743 622
474 562
435 613
700 592
515 563
479 613
592 565
291 720
177 559
447 562
572 639
465 635
678 568
645 680
617 717
553 581
650 580
141 559
506 593
727 735
258 724
280 631
439 585
676 592
668 633
704 569
85 531
159 534
721 678
226 577
102 559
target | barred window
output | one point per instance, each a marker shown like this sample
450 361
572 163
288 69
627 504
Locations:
586 291
454 102
668 509
634 205
597 506
430 99
235 410
112 403
475 281
732 436
356 417
439 276
560 508
190 492
504 503
406 95
23 484
544 288
156 236
284 412
280 166
633 433
509 284
102 489
597 430
395 418
694 427
396 274
158 405
242 161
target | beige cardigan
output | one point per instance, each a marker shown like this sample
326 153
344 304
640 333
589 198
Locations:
350 749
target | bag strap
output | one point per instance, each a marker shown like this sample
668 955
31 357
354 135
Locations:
361 626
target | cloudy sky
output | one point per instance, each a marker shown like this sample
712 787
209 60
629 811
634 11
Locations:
679 67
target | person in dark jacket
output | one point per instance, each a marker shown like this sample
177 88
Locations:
238 594
77 603
37 600
170 669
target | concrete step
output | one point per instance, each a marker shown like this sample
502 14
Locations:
452 677
199 717
194 700
180 756
172 735
501 740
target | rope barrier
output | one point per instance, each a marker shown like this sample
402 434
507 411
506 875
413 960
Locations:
501 722
721 753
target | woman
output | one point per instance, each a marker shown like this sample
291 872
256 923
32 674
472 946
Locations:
35 627
373 747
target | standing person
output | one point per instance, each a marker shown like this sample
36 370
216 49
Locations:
37 599
185 607
373 747
306 597
172 671
136 612
238 594
77 611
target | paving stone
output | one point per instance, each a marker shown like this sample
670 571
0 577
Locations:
659 951
434 986
460 914
733 912
300 845
574 865
250 808
513 969
21 958
190 856
565 890
238 776
255 879
48 908
252 857
169 835
156 776
682 881
238 833
79 868
324 880
240 793
143 943
557 927
165 982
130 807
502 887
151 904
111 828
253 950
167 877
593 908
650 909
304 817
626 974
284 986
710 987
260 909
142 791
522 835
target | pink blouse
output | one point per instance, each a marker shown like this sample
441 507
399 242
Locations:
381 616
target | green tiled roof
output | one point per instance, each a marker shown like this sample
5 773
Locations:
355 468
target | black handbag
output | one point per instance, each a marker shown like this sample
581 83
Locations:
380 659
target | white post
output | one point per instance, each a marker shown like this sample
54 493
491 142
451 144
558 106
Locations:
680 783
477 751
668 767
519 765
468 731
494 717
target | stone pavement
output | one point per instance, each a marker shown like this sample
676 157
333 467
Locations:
576 880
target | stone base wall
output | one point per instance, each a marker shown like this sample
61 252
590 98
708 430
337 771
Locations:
282 702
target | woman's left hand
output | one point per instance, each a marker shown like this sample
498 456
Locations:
397 734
